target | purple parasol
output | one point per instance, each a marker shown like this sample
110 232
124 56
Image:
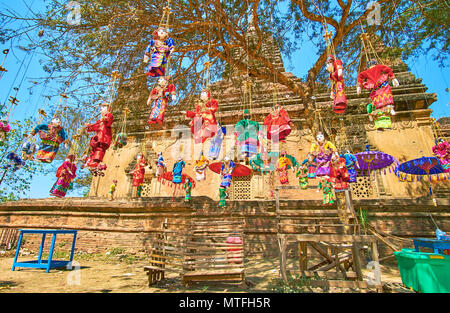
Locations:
375 160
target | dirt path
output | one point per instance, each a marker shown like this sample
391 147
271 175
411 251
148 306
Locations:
106 273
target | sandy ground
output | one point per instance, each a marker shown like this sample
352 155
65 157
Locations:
105 273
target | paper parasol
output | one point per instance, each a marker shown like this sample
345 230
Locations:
418 168
375 160
169 177
257 162
239 169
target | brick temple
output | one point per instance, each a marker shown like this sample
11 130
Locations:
397 208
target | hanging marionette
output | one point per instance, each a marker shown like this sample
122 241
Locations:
339 175
247 134
160 96
380 117
226 173
4 130
158 52
160 165
101 141
28 150
200 168
65 173
187 188
216 142
282 166
302 175
351 163
177 173
310 164
14 162
139 174
376 79
322 151
442 151
326 187
121 141
278 124
52 135
335 68
203 123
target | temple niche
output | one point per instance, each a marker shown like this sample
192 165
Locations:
411 137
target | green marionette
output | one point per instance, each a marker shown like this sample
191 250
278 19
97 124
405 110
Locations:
327 190
302 175
187 188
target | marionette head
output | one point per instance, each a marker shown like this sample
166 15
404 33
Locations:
310 157
56 121
226 159
246 114
205 95
70 157
163 81
320 137
114 181
105 108
335 157
139 156
372 63
160 33
180 158
330 63
276 107
283 153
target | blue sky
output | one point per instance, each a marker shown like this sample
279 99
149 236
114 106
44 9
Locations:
436 79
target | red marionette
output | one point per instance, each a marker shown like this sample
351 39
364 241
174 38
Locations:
278 124
338 172
376 80
139 173
334 67
203 123
101 141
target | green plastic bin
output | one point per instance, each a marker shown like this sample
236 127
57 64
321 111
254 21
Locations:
424 272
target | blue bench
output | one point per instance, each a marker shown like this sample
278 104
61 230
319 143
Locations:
39 263
435 244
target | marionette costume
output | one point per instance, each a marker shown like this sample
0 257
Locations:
101 141
311 165
66 173
350 162
216 143
277 124
442 152
282 167
160 166
302 174
327 192
322 158
204 123
247 134
381 117
338 87
139 175
376 80
158 51
51 137
177 171
160 100
187 188
226 171
200 168
339 175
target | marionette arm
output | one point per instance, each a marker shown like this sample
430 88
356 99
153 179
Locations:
43 127
148 51
154 94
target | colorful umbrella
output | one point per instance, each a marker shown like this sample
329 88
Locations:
239 169
375 160
418 168
424 166
169 177
257 162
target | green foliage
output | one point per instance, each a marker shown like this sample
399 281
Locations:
294 284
